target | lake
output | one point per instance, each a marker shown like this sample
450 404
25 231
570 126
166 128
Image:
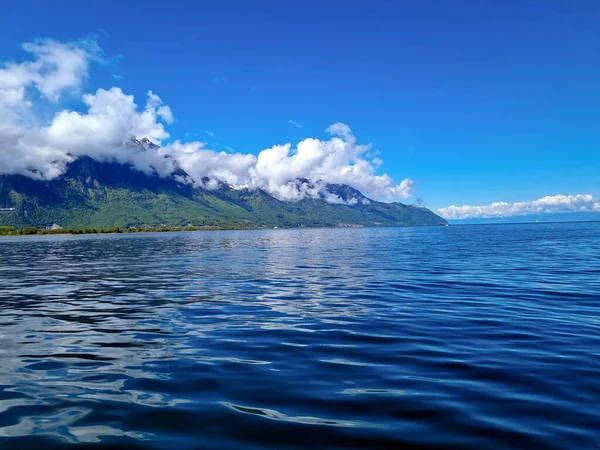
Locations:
479 336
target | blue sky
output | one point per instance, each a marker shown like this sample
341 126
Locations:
477 102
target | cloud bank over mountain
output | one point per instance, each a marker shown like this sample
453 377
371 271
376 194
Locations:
110 119
545 205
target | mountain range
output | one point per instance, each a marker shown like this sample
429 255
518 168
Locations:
95 194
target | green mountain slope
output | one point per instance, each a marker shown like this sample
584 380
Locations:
102 195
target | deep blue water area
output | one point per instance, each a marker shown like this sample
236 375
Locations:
482 336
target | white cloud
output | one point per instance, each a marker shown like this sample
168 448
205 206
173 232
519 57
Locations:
279 168
111 118
545 205
55 67
342 130
337 160
162 111
210 133
200 162
293 122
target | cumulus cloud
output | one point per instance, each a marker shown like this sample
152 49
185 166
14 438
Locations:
545 205
337 160
55 67
200 162
112 118
296 124
107 125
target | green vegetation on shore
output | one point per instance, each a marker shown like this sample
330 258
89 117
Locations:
30 231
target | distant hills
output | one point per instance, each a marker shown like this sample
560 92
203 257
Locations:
92 194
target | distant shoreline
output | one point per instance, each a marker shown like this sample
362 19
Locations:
33 231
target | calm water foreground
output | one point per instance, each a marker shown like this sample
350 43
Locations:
451 337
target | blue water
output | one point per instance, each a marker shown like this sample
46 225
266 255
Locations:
447 337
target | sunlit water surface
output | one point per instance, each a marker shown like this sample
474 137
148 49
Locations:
444 337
